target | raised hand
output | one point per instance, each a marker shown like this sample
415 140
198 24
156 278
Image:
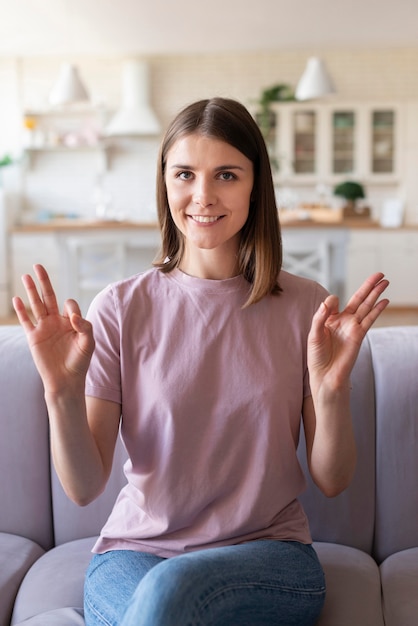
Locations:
61 345
335 337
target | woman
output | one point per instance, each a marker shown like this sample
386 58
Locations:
207 362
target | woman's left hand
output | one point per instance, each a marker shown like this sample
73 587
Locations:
335 337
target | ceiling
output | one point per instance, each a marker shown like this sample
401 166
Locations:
121 27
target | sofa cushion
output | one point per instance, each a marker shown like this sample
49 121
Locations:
397 438
25 493
349 518
17 554
58 617
54 583
399 573
353 595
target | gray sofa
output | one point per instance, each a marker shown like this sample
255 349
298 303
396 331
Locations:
367 538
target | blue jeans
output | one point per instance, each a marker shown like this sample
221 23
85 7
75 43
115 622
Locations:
258 583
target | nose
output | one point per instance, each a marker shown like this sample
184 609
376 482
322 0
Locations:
204 194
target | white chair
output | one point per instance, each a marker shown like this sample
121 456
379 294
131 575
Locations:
92 264
310 259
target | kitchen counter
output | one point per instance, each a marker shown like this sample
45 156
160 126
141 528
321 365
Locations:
63 224
81 225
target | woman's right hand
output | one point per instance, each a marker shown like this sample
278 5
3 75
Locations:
61 345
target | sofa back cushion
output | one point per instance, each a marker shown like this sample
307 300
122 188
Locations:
395 363
349 518
25 493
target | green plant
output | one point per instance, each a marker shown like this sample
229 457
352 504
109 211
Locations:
6 160
277 93
350 190
266 118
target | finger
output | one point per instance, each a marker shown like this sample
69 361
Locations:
81 325
48 294
22 314
373 314
77 321
36 304
85 332
332 303
363 300
70 307
370 302
325 309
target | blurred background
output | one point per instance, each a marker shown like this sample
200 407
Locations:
87 88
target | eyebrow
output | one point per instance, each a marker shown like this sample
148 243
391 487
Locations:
219 168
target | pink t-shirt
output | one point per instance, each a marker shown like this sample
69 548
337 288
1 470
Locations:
211 399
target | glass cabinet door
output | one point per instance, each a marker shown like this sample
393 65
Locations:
383 142
343 142
304 142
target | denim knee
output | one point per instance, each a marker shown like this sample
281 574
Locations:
265 583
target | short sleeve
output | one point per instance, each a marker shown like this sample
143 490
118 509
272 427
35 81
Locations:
103 377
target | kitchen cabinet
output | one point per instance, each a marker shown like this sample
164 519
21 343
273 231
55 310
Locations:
328 142
393 252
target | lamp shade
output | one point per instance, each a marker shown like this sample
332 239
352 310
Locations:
69 87
315 81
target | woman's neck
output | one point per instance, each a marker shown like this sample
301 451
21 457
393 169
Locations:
210 264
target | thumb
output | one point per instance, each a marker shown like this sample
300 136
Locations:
85 333
318 322
73 312
80 324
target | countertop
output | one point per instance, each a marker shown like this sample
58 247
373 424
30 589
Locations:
62 225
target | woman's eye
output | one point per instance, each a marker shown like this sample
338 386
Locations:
184 175
227 176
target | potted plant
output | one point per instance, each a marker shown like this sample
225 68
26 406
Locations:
352 191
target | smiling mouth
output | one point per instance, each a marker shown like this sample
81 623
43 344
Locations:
206 219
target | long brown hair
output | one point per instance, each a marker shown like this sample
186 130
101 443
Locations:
260 251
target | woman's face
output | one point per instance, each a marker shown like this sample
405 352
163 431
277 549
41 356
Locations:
209 186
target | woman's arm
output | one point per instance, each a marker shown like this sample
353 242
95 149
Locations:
333 346
83 433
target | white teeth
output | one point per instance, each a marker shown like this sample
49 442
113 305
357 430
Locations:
204 218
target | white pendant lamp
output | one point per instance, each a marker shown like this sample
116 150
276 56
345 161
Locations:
69 88
135 116
315 81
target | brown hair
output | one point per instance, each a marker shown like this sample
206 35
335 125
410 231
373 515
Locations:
260 251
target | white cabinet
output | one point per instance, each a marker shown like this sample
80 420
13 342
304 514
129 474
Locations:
393 252
81 262
324 142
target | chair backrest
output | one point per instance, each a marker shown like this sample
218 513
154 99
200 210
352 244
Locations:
92 264
310 259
